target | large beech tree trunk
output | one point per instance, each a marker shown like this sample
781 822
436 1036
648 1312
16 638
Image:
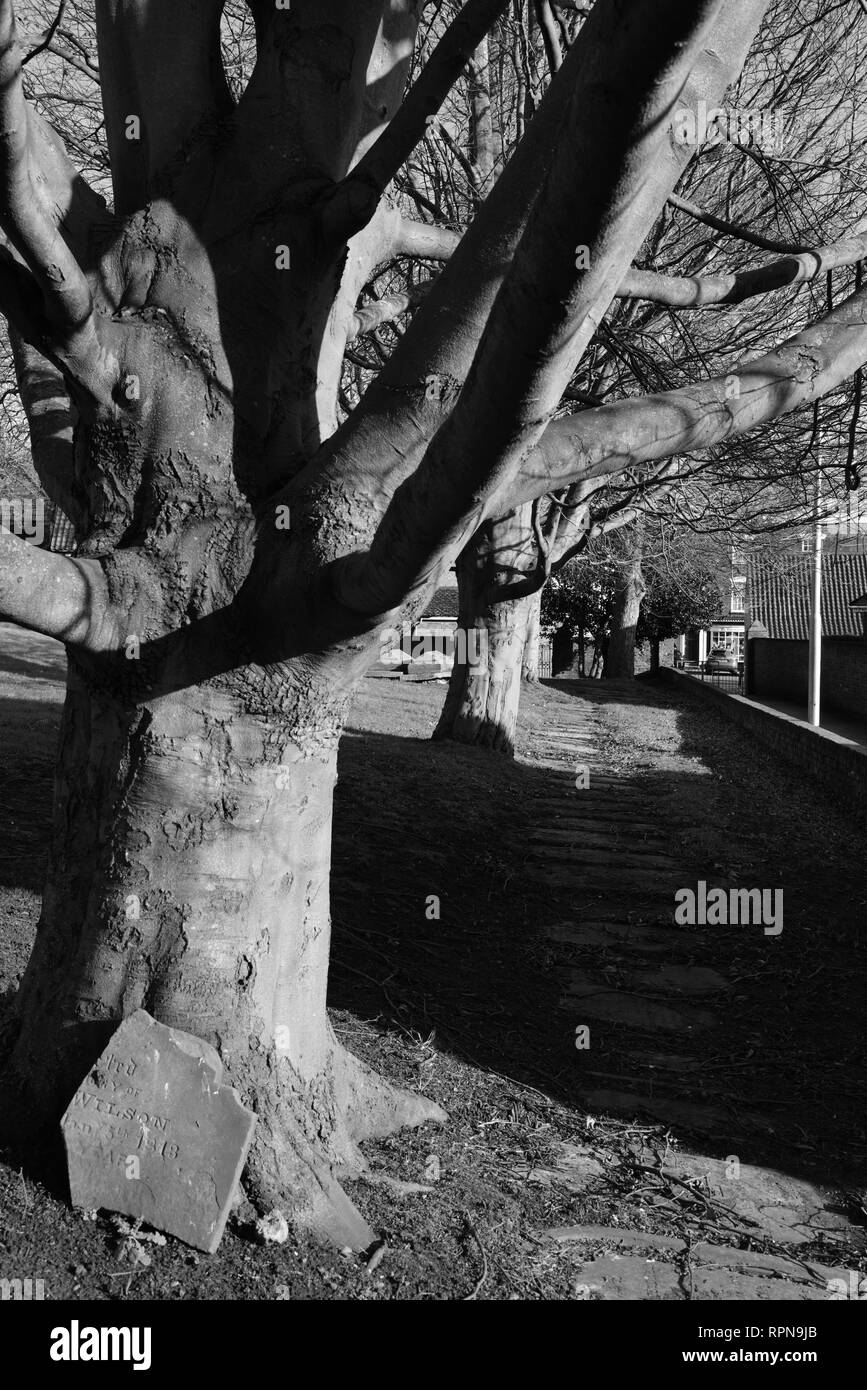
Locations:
532 642
563 649
484 692
189 876
238 554
628 594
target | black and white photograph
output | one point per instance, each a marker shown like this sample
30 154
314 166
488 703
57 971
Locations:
433 672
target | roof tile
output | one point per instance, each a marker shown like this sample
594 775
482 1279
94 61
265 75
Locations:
780 595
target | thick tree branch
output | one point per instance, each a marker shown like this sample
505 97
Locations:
25 215
701 291
71 203
387 71
596 443
677 291
425 242
161 67
355 200
550 37
62 598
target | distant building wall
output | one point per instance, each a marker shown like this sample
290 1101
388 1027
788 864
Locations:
780 669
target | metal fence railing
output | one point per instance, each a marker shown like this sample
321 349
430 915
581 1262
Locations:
725 680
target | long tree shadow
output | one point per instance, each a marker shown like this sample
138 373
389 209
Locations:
447 920
29 732
749 1059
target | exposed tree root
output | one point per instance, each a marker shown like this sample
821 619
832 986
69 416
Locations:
307 1138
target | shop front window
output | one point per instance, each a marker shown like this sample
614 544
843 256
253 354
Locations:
730 638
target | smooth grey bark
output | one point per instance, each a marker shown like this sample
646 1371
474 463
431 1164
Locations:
530 660
484 692
629 591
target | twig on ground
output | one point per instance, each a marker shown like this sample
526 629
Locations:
484 1274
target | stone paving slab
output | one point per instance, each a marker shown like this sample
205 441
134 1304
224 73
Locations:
670 1269
618 1006
600 933
788 1210
683 979
711 1120
598 846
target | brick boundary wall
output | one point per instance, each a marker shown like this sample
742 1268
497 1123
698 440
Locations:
840 767
780 668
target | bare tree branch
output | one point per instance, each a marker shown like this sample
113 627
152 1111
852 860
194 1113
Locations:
734 229
23 213
43 40
387 309
596 443
355 200
550 37
676 291
389 430
701 291
62 598
424 241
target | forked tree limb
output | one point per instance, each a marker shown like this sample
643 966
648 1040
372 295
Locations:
384 440
43 40
658 484
354 202
552 301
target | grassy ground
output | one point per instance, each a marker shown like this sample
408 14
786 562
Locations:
469 1007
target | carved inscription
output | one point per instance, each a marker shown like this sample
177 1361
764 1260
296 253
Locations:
168 1149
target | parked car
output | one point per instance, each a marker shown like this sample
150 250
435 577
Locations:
721 662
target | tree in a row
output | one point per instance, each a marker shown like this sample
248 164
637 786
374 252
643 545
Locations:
781 156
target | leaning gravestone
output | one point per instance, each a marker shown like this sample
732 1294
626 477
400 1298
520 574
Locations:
151 1133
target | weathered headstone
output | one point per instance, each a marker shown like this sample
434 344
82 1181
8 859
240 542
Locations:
151 1133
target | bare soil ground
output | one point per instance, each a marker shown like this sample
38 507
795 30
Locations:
752 1048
